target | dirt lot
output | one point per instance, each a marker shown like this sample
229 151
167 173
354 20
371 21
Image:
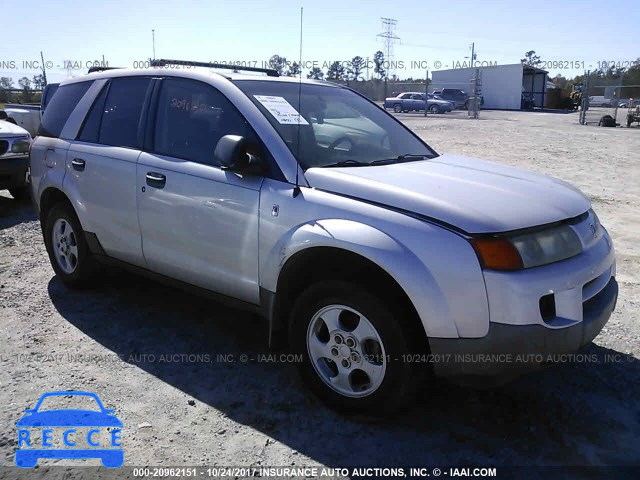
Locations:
194 412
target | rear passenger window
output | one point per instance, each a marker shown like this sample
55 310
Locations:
122 110
60 108
191 118
91 128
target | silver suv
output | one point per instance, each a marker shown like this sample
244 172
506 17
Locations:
380 261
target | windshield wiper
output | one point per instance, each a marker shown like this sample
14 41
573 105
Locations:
400 158
383 161
413 156
347 163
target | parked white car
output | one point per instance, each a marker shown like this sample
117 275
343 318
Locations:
14 159
25 116
377 259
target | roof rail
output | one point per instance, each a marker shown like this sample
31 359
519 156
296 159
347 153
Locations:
101 69
161 62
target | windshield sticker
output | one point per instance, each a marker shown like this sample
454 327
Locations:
282 110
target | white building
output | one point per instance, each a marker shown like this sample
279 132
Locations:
503 86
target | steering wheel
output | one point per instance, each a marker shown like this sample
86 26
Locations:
339 140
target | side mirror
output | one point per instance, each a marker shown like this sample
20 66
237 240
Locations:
232 153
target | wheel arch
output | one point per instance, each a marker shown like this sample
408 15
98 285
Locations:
51 196
340 246
318 263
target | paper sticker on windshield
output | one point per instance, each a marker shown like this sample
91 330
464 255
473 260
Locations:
282 110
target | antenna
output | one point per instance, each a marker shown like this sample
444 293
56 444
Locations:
44 70
296 190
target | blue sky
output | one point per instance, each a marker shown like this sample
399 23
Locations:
333 30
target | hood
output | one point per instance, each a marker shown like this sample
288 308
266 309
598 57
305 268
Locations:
8 129
473 195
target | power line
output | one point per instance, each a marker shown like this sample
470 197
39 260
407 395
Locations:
389 37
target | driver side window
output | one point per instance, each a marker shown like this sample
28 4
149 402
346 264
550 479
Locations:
191 118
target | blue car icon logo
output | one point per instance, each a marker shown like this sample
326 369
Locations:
29 451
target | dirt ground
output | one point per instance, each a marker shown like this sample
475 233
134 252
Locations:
151 352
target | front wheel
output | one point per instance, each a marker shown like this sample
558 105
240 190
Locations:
434 109
353 347
68 251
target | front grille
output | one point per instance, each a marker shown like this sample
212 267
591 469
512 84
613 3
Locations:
4 146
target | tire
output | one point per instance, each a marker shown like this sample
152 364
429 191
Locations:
355 314
20 194
607 121
397 108
67 248
434 109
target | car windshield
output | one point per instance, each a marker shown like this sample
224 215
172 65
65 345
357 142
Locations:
337 128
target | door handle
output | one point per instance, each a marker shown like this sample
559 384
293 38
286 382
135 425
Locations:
156 180
78 164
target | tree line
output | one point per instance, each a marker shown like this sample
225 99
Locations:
351 70
29 89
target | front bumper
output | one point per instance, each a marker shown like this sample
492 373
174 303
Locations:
13 171
508 350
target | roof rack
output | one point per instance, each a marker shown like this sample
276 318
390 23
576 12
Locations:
101 69
161 62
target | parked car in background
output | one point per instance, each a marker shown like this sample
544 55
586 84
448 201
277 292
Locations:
629 102
455 95
14 159
415 101
29 116
25 116
601 101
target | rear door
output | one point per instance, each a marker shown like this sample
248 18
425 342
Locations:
101 167
199 223
49 149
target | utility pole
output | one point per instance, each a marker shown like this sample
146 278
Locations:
389 36
473 53
426 90
153 41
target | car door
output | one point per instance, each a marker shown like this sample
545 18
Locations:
406 101
199 222
417 101
101 167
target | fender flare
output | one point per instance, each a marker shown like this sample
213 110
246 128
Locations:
374 245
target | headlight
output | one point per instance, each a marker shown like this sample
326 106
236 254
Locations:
547 246
20 146
527 250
